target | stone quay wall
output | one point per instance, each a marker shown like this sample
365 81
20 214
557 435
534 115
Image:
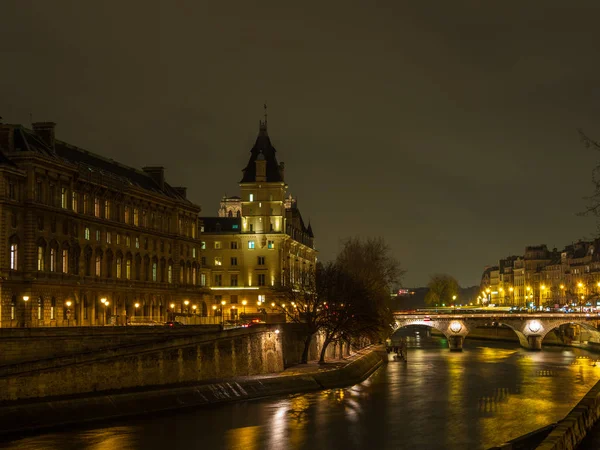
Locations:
31 344
570 431
23 417
176 360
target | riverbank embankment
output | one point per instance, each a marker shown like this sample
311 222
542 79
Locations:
29 416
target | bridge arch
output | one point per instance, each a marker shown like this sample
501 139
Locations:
454 330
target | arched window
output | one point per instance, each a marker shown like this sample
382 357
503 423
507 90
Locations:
53 308
53 256
98 271
14 252
128 268
154 270
230 213
41 254
170 272
40 308
238 214
65 258
119 268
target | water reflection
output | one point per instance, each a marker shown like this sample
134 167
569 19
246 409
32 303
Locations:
486 395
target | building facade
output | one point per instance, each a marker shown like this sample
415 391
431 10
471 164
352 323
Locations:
89 241
259 246
546 278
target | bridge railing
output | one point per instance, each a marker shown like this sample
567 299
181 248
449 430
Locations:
577 316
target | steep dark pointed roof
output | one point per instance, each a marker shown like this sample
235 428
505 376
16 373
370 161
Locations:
262 149
309 230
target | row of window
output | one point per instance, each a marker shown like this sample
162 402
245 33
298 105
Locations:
261 280
233 245
260 260
104 208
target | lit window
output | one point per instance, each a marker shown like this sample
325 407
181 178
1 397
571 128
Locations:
218 261
261 298
127 214
96 207
119 268
40 258
108 237
137 242
202 279
251 197
98 235
86 234
52 260
271 244
107 209
65 261
136 217
203 245
170 273
63 198
128 241
217 245
154 270
194 252
250 244
128 269
74 202
14 249
98 265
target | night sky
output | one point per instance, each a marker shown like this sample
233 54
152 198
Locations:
448 128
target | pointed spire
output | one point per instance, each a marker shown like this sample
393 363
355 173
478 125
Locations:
309 229
263 124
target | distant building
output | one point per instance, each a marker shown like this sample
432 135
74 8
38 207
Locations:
543 277
259 245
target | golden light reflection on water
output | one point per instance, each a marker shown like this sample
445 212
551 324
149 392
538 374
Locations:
246 438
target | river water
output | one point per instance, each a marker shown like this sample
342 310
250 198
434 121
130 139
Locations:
484 396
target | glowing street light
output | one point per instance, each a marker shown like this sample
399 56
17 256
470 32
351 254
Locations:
244 303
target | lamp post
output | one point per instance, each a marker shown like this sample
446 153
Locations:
186 303
172 305
542 291
512 295
25 310
214 308
105 303
454 302
223 302
68 312
135 312
527 289
244 302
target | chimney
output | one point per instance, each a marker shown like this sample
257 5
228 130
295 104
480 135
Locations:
45 131
157 174
181 191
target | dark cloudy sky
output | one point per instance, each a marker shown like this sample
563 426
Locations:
447 127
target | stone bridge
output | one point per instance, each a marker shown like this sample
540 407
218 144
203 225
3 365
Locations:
529 328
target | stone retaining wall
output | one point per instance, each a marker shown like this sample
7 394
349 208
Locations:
570 431
30 416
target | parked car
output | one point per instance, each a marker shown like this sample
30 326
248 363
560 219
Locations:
173 324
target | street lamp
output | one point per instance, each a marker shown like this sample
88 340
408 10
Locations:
512 294
25 311
105 303
223 303
186 303
244 303
68 312
136 305
194 308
